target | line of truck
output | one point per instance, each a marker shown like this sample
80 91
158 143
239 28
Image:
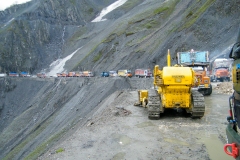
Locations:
120 73
141 73
146 73
76 74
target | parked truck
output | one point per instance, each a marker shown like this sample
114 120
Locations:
143 73
105 74
41 75
13 74
3 74
221 69
59 74
113 73
71 74
24 74
124 73
199 61
87 74
78 74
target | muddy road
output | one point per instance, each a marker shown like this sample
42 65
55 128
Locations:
118 130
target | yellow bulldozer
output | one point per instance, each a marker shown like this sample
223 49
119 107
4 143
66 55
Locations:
174 88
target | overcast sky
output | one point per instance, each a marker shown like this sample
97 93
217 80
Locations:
7 3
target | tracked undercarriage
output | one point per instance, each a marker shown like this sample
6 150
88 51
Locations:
198 105
155 105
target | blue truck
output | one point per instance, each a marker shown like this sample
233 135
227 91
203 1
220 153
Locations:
199 61
105 74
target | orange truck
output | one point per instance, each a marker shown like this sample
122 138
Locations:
77 74
71 74
59 74
87 74
62 74
221 70
41 75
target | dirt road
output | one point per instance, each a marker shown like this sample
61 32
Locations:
119 130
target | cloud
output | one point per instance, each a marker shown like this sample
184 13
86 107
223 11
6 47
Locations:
7 3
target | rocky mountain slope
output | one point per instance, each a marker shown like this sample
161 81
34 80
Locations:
36 33
33 34
36 113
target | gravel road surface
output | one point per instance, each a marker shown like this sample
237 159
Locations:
118 130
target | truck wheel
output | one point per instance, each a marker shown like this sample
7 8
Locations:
209 91
215 79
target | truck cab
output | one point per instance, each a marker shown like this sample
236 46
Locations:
199 62
105 74
221 74
124 73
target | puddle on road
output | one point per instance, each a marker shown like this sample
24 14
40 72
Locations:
119 156
215 148
122 139
144 124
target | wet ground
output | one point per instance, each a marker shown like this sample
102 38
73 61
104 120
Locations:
215 117
119 130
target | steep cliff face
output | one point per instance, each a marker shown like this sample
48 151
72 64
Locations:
138 34
35 34
32 35
48 109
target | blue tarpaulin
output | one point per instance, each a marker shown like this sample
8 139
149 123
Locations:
196 57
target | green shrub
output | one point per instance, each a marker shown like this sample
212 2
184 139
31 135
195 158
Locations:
160 10
59 150
97 57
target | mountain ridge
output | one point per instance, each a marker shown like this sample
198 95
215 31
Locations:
134 35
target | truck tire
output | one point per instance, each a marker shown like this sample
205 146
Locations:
228 79
211 79
209 91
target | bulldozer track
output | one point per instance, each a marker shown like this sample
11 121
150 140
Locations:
154 104
198 108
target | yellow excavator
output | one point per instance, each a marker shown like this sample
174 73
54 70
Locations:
173 88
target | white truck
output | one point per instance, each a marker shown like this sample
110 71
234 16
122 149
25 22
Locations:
143 73
3 75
